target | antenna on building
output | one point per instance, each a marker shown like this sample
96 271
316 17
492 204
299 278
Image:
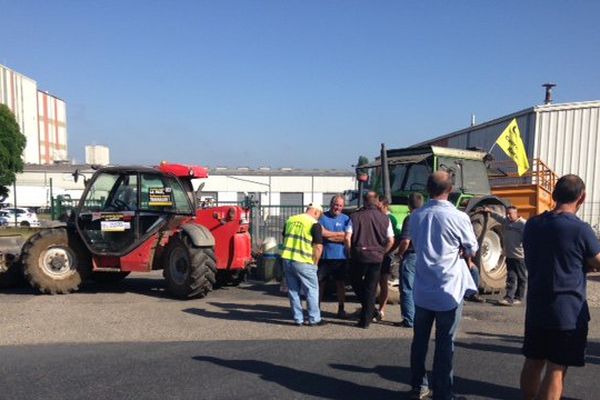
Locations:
472 119
548 86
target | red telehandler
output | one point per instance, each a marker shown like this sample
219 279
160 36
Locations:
139 219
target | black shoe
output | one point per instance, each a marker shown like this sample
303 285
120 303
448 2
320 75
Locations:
341 314
403 324
320 323
377 315
361 324
476 299
298 323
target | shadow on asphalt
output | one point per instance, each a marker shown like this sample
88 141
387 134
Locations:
144 286
263 313
304 382
592 351
463 386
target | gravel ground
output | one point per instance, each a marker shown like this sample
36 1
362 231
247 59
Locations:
139 310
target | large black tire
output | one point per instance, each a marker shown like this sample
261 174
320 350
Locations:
189 271
490 258
55 262
107 277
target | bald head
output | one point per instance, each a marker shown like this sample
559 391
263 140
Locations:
439 184
371 198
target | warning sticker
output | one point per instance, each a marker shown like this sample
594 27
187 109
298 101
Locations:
114 226
160 197
115 222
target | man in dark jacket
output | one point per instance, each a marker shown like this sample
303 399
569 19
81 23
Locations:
370 239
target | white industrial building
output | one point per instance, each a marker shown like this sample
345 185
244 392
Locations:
285 186
41 116
97 155
564 136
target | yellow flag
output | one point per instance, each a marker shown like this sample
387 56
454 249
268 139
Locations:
510 141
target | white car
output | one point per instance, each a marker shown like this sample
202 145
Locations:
25 217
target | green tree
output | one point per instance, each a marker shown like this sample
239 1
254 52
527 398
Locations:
12 144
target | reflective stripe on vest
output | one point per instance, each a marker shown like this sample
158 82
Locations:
297 242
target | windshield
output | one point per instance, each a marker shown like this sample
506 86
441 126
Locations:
403 178
470 176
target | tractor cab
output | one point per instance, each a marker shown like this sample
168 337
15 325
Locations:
408 170
123 206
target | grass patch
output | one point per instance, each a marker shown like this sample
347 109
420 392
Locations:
23 232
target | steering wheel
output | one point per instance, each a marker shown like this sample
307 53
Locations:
121 205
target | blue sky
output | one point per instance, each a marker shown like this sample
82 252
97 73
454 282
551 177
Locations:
310 84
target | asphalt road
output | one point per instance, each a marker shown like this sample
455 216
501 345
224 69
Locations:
132 342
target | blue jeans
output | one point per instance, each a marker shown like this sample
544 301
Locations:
475 275
446 327
407 303
299 275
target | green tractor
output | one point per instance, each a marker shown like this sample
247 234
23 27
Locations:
397 173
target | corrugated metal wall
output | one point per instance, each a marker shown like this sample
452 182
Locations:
564 136
568 141
485 135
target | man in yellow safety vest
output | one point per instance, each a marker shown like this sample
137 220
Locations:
302 248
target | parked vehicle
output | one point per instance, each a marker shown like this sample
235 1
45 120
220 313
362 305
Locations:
3 219
404 171
25 217
141 219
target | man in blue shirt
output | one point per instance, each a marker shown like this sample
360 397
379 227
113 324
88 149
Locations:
559 250
442 237
334 262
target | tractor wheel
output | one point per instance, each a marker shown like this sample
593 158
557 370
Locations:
54 262
106 277
189 271
490 258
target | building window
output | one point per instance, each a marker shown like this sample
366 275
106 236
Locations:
291 199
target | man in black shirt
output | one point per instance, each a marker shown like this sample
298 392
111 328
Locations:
559 250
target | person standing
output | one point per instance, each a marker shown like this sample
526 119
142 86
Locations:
302 248
386 265
334 262
442 237
370 238
516 280
559 250
406 252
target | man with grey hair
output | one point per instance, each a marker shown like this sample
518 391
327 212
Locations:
334 261
442 237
